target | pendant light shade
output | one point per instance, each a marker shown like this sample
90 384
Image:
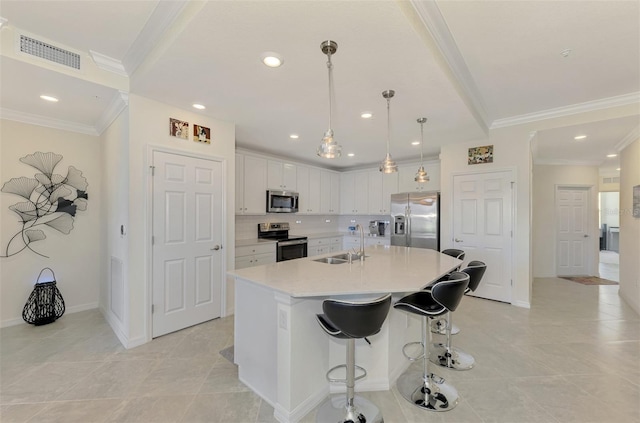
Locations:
328 148
421 174
388 165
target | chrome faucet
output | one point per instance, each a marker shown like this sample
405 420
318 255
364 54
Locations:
360 253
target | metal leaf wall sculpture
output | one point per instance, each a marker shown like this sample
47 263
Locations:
49 200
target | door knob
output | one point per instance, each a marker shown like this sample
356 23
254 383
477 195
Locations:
586 236
458 240
216 248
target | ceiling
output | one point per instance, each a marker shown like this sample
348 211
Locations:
468 66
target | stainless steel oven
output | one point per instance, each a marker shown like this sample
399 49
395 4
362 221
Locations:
287 248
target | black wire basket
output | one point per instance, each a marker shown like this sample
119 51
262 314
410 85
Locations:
45 304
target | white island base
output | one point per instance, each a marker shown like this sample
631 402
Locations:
282 353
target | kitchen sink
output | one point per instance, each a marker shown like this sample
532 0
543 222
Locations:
331 260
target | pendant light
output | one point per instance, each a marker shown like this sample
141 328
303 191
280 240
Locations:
329 149
421 174
388 165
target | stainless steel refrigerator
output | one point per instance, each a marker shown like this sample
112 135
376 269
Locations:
415 220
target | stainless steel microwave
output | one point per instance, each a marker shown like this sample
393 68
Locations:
282 201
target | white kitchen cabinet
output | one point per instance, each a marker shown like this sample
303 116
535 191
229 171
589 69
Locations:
255 255
354 196
281 176
251 185
318 246
381 186
308 182
352 242
329 192
407 173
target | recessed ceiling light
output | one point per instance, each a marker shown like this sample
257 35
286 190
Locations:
350 154
366 115
618 169
271 59
415 143
611 155
580 137
49 98
199 106
294 136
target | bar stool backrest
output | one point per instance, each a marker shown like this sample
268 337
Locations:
449 292
454 252
475 269
357 319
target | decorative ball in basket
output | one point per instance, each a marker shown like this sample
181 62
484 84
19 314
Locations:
45 304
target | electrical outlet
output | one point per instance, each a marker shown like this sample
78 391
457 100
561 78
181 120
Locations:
327 221
298 221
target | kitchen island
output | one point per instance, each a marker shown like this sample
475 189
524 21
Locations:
281 351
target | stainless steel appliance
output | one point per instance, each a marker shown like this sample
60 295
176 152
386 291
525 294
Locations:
282 201
287 248
415 220
377 227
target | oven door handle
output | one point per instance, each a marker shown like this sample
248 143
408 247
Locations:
287 243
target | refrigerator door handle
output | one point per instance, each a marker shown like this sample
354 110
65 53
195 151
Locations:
407 219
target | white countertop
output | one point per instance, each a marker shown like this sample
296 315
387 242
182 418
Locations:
253 241
386 269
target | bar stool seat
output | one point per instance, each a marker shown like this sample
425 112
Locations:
429 391
351 320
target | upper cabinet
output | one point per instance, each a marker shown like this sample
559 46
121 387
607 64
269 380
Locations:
381 186
281 176
407 173
354 196
251 184
329 192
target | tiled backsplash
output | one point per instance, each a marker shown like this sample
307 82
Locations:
247 226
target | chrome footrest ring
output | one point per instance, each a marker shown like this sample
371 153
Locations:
410 358
340 366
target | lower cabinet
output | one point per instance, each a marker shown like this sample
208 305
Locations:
255 255
318 246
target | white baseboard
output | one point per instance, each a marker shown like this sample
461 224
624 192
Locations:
119 330
301 410
629 299
523 304
68 310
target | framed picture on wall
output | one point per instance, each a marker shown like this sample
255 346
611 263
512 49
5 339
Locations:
482 154
201 134
179 128
636 201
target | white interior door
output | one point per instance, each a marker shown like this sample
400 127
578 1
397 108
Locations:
187 241
572 231
483 228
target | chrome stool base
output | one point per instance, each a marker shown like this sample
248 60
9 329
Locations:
439 327
436 395
458 360
335 410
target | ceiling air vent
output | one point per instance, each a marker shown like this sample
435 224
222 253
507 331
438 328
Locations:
46 51
612 180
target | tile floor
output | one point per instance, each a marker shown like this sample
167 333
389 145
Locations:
609 266
573 357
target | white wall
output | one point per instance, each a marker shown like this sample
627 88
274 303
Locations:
75 258
511 151
610 208
149 126
629 227
115 258
545 180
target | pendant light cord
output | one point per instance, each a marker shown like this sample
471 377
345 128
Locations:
421 142
388 124
330 67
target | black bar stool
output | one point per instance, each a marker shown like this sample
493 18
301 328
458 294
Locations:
439 326
428 390
443 353
351 320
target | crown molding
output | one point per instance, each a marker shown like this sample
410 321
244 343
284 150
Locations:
436 25
108 64
47 122
628 139
604 103
567 162
160 20
119 102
